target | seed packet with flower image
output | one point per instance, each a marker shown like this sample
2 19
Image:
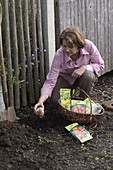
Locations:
83 106
78 106
65 96
79 132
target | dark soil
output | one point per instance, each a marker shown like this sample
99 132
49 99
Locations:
32 143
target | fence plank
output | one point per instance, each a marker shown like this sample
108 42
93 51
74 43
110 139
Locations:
21 53
40 41
15 53
57 23
106 34
34 48
111 33
8 52
28 51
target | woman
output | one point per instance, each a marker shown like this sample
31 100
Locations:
76 63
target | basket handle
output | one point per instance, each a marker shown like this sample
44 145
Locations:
88 98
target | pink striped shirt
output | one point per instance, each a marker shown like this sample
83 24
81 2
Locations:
64 66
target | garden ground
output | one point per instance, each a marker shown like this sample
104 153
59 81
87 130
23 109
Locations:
32 143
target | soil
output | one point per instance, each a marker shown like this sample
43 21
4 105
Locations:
33 143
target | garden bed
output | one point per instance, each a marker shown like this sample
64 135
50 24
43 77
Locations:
32 143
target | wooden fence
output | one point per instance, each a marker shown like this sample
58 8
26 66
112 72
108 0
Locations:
23 50
23 47
94 17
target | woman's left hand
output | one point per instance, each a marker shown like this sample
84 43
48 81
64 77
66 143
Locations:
78 72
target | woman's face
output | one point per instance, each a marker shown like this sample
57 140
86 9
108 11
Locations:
69 50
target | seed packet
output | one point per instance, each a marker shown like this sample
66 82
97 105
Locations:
83 106
65 96
79 132
78 106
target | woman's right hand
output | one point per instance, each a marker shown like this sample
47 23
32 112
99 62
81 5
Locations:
39 109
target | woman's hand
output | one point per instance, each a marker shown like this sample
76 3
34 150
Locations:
78 72
39 109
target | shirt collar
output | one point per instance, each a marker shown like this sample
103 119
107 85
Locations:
67 58
83 51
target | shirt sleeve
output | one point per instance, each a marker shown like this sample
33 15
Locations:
96 61
52 76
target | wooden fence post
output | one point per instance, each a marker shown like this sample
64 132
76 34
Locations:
2 104
48 30
40 41
34 49
22 53
14 45
28 51
8 52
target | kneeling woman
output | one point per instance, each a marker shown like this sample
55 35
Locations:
77 63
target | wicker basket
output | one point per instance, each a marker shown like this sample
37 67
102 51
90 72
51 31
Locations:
81 118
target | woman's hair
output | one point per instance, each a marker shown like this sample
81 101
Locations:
73 37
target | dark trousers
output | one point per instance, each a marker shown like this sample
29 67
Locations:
85 82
